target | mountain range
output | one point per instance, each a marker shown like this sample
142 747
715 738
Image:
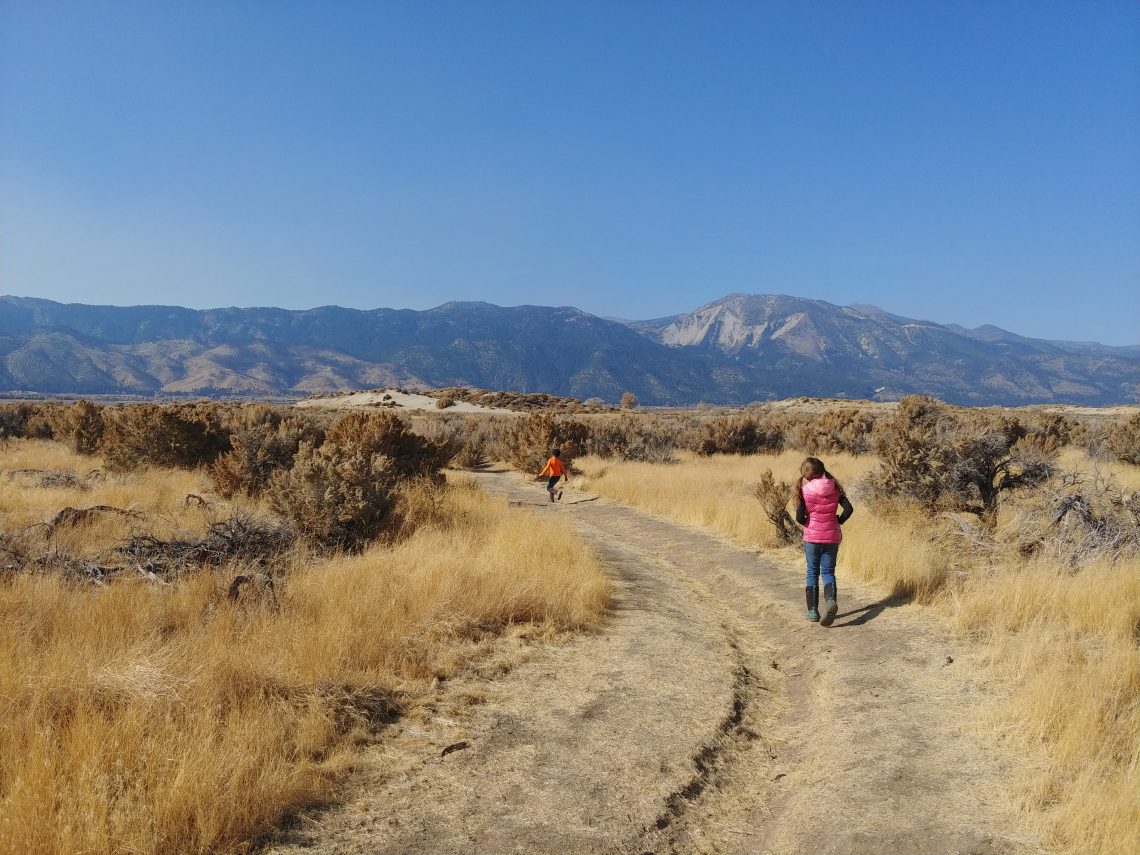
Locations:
735 350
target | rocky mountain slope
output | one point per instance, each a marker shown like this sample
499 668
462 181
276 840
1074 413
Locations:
733 351
866 352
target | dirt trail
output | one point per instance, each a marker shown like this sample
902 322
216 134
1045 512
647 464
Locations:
707 715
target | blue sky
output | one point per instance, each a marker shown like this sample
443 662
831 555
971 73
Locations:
964 162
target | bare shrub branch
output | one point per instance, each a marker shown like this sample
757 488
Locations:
258 581
58 478
240 536
773 497
70 517
1081 519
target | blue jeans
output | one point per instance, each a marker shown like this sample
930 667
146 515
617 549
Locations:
820 561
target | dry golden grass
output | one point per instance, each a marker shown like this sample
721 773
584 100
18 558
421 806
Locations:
1076 460
138 717
151 491
1063 641
1066 643
897 553
709 492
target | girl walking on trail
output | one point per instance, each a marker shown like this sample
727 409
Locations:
554 469
819 496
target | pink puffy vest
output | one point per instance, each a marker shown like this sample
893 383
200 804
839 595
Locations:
821 496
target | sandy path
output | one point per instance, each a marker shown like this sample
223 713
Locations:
707 715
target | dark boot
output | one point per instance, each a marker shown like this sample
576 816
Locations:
811 594
832 605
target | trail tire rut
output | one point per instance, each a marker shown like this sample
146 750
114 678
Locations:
705 716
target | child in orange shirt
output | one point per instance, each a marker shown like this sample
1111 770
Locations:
555 469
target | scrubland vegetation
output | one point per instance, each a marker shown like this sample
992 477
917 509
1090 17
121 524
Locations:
237 602
1021 529
207 609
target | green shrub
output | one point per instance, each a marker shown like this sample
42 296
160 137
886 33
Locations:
386 434
176 436
835 431
81 424
341 494
262 441
38 421
466 438
525 443
23 420
1053 430
632 438
945 458
913 447
739 435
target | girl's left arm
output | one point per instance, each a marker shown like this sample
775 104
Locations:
848 510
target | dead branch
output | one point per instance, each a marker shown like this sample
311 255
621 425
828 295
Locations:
1068 480
53 478
18 560
75 516
149 575
968 532
235 588
240 536
263 581
70 565
1076 504
194 498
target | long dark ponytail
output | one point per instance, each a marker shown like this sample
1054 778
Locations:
813 467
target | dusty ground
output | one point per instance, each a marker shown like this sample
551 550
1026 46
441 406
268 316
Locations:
706 716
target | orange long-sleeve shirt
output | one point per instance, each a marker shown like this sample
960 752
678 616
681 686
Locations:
554 466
